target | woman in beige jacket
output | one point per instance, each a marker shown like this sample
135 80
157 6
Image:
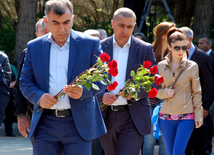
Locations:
181 108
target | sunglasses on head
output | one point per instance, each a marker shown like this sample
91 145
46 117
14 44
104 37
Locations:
177 48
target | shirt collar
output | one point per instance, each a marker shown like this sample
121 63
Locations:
127 43
191 50
208 52
51 40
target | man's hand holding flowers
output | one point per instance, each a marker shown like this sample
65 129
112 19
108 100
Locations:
97 73
73 91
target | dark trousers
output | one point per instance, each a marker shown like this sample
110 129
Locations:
9 116
201 139
57 135
122 137
97 147
208 133
196 142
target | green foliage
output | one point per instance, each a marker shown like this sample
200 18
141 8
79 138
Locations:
7 40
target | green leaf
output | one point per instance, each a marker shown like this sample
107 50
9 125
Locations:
127 92
95 77
94 86
138 82
83 75
87 85
134 95
132 73
104 82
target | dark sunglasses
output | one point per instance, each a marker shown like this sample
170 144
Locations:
177 48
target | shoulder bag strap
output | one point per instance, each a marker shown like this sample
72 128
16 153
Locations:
182 69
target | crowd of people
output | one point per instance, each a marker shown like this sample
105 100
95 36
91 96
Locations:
75 124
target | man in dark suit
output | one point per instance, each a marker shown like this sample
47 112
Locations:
127 120
53 61
196 142
205 44
23 108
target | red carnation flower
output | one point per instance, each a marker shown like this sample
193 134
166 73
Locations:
112 86
153 92
113 71
112 64
159 79
154 69
104 57
147 64
156 80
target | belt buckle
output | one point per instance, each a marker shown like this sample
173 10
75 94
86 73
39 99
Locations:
113 108
56 112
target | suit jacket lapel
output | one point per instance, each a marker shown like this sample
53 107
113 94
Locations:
108 47
72 54
133 50
194 55
46 61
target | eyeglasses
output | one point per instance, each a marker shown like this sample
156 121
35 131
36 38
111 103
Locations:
177 48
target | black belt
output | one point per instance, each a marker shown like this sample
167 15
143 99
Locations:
58 112
118 107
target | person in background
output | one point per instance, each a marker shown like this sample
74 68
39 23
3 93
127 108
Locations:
127 120
23 108
102 34
38 28
182 106
91 32
141 36
160 50
9 111
5 78
196 142
205 44
53 61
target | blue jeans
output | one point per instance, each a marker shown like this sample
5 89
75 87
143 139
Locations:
176 134
150 140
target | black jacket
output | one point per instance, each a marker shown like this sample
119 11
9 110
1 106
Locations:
21 104
206 77
5 76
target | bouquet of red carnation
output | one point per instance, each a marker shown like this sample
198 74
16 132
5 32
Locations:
98 72
143 78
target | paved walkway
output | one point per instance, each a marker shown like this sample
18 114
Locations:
15 146
22 146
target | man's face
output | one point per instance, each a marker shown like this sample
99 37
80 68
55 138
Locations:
203 44
39 32
59 26
123 28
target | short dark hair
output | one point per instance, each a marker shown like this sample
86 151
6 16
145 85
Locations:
58 6
209 39
144 38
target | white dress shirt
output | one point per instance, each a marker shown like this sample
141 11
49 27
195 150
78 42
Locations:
58 70
121 56
208 52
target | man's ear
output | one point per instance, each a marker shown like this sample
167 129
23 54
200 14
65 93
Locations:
191 38
36 34
45 20
112 23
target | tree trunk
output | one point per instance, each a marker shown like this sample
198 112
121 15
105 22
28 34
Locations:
190 4
202 17
26 25
179 10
